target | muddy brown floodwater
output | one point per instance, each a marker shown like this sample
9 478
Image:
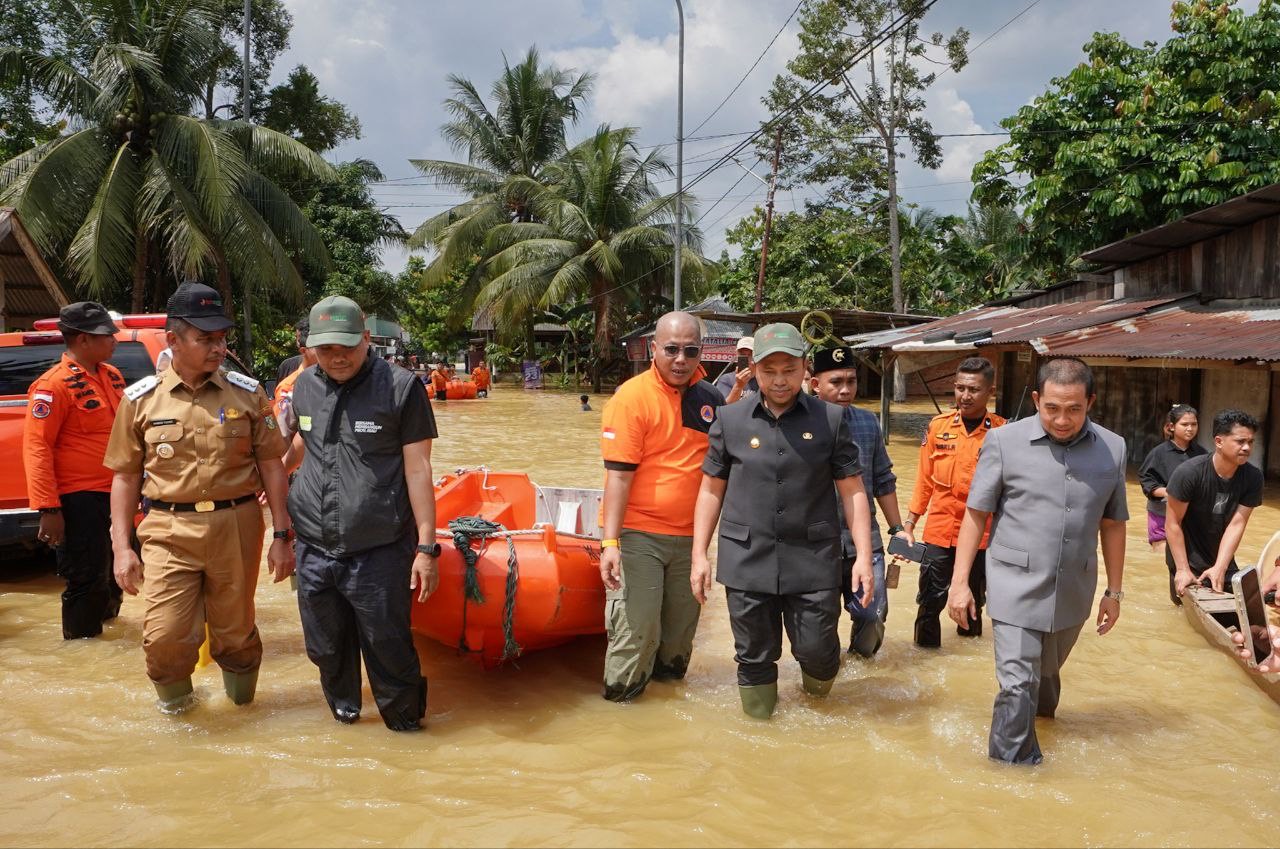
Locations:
1160 740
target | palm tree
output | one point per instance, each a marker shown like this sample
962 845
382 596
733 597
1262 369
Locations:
139 188
507 150
602 230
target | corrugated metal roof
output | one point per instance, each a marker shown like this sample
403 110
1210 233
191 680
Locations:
1212 332
1196 227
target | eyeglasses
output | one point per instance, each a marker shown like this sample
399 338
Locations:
691 352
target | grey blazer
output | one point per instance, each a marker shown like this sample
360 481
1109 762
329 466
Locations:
1048 500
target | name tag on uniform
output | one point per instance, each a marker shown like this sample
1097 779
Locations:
304 422
367 427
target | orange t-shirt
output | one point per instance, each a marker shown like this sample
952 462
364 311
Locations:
284 395
481 377
69 417
948 458
439 380
660 433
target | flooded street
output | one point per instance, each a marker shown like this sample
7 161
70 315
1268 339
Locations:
1160 740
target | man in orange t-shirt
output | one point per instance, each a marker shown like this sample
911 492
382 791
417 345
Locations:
70 411
480 374
653 438
440 383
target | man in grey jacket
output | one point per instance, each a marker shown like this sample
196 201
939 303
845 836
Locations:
1054 481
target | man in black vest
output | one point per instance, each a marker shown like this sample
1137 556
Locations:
774 465
362 500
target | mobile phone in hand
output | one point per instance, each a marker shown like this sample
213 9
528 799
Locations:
1246 586
898 546
741 363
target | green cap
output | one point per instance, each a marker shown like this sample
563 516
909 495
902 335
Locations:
336 320
778 338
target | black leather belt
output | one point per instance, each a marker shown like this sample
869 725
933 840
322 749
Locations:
201 506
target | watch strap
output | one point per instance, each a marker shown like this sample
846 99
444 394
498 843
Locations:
432 550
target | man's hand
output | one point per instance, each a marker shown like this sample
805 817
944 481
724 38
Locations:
909 538
424 577
1108 613
700 577
742 377
1183 578
960 605
863 577
53 527
280 560
128 570
611 567
1216 575
1272 663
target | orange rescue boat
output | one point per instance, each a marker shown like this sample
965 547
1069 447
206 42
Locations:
457 390
550 536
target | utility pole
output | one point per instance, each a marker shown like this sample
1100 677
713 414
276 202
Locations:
768 219
679 251
248 301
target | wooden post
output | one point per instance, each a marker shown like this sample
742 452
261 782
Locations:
886 392
768 220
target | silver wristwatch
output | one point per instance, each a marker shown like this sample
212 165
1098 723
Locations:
1118 595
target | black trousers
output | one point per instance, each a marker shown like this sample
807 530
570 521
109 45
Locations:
810 619
936 569
360 605
84 562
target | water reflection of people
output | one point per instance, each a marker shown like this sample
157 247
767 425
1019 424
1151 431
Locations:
775 465
653 439
1180 428
1049 477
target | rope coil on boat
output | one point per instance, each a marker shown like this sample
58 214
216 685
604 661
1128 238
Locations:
464 529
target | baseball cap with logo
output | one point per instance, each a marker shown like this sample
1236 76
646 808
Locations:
199 306
336 320
86 317
833 359
778 338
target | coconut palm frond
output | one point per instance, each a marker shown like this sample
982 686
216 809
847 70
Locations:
53 194
474 179
102 252
287 221
54 77
202 153
257 257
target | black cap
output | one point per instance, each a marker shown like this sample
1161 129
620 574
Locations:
199 306
831 359
86 317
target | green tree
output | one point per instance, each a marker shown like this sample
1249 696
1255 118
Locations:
296 107
24 122
600 228
223 76
427 310
141 194
1135 136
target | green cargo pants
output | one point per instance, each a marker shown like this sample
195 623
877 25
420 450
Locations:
652 617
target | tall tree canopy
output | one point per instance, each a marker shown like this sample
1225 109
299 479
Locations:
1137 135
297 107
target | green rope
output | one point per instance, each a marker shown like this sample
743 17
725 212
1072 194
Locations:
465 529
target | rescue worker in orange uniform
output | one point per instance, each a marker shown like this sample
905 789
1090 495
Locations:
284 390
948 457
440 383
480 374
70 409
207 441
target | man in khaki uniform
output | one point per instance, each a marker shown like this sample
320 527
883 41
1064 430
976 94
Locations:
207 442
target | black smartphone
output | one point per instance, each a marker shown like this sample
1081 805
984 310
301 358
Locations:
1246 586
741 363
898 546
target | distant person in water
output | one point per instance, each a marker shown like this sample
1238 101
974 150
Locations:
585 400
1180 428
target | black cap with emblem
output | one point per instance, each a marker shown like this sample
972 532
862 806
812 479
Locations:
831 359
86 317
199 306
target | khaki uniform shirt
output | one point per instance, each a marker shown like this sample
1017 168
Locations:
195 444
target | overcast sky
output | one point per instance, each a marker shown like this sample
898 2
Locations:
388 60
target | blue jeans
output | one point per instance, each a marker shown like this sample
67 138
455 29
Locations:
868 622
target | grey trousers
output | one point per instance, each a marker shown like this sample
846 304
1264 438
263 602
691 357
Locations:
757 620
1028 667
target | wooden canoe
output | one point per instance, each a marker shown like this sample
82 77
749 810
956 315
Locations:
1213 614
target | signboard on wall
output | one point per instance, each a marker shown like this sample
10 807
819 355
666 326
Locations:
532 374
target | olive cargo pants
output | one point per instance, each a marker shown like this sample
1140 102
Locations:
200 567
652 617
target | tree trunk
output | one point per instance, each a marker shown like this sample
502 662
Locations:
895 253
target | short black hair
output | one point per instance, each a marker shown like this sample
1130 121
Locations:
69 336
1177 411
584 398
1226 421
303 326
978 365
1065 371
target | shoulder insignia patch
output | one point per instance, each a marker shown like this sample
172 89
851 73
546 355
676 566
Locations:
135 391
243 381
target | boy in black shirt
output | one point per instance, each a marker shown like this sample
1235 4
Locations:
1210 499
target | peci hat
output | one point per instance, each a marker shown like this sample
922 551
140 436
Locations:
199 306
336 320
747 342
778 338
86 317
833 359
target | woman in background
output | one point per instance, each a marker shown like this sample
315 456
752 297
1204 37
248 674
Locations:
1180 429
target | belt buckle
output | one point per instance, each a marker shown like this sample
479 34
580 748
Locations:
204 506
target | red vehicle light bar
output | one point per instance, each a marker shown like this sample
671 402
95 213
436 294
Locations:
127 322
42 338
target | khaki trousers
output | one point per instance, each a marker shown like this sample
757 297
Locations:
200 567
652 617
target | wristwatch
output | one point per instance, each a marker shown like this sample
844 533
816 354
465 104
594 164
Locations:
287 536
1118 595
432 550
896 529
54 510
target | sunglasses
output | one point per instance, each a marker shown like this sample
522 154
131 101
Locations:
691 352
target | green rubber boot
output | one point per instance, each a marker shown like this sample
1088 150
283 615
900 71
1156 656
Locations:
176 697
240 686
813 686
760 700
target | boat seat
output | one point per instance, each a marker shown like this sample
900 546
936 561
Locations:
497 511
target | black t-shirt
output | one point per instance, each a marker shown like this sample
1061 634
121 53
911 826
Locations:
1211 502
288 367
1158 468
